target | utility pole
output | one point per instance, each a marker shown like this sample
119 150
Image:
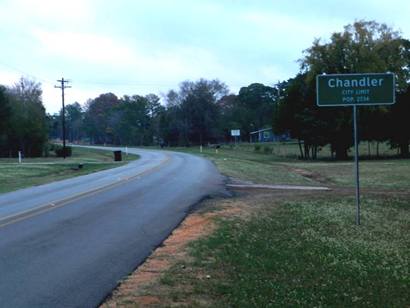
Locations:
62 87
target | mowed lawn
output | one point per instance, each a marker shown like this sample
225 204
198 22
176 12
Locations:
37 171
301 254
296 250
244 163
382 174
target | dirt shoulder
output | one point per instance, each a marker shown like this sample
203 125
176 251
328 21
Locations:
145 286
136 290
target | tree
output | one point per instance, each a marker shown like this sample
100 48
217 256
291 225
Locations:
133 125
54 126
155 110
5 113
28 132
399 123
74 121
171 126
193 113
256 104
231 112
364 46
302 119
201 111
98 121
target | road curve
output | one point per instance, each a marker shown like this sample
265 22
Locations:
68 243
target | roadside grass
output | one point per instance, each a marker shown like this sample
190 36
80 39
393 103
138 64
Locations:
385 174
302 253
290 149
242 162
300 249
37 171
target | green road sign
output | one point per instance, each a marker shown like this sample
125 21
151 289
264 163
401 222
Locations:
355 89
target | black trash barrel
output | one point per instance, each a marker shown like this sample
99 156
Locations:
117 156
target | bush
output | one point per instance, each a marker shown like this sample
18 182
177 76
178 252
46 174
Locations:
267 150
257 147
46 149
59 150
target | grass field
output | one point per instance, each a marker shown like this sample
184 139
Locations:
244 163
37 171
291 150
299 249
300 254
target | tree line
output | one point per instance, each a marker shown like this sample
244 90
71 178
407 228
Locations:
204 111
199 112
363 47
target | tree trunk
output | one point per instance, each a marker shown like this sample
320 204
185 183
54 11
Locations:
368 149
300 149
314 155
404 150
306 149
314 152
341 152
377 148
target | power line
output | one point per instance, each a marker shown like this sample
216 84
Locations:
62 87
13 68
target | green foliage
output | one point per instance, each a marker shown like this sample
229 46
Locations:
283 167
399 123
197 113
255 107
364 46
267 149
202 112
37 171
310 254
5 113
193 115
25 128
63 152
257 147
98 121
132 121
73 122
46 150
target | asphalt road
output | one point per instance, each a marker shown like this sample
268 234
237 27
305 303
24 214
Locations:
68 243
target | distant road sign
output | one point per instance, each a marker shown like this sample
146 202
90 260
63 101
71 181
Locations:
235 132
355 89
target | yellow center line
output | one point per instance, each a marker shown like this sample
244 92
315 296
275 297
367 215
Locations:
49 206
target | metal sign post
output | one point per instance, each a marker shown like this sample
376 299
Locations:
235 133
355 90
356 164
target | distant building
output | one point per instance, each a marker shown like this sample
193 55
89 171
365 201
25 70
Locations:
267 135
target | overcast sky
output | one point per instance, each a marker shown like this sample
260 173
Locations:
140 47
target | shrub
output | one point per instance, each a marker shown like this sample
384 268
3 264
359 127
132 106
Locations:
267 149
257 147
46 149
59 150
